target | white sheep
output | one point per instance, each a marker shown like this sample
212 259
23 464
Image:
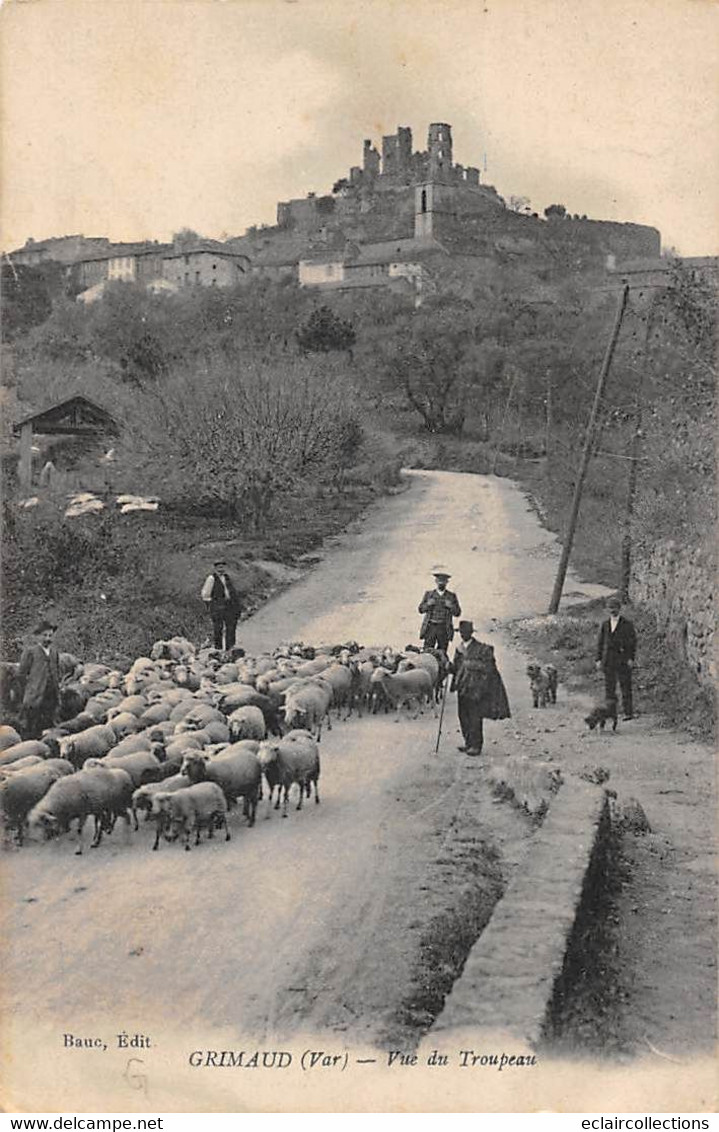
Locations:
413 686
24 790
100 793
339 677
307 706
289 760
246 722
142 797
196 807
8 737
235 770
134 704
141 766
23 750
92 743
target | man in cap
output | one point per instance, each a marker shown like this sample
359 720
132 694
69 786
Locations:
616 648
223 604
480 689
439 606
39 674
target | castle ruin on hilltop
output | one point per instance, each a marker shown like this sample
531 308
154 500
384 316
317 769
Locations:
392 221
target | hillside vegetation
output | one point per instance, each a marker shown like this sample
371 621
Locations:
266 416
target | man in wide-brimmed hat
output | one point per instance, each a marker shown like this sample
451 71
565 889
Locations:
480 690
439 606
39 673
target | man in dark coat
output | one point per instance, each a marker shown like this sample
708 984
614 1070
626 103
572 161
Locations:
480 690
439 606
39 676
616 648
222 601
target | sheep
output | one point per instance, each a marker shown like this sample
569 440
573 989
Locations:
141 766
405 687
361 673
226 674
196 807
72 700
8 737
22 750
186 678
20 764
430 663
216 731
95 676
158 712
136 705
23 791
80 722
90 744
246 723
176 648
76 797
143 796
118 803
141 673
308 705
236 770
340 679
199 717
99 705
132 743
313 667
124 724
242 695
287 761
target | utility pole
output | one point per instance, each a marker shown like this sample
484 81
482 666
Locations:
515 376
548 421
626 567
586 456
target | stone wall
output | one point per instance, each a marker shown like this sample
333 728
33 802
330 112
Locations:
677 584
508 981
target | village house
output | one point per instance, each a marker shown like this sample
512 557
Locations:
208 264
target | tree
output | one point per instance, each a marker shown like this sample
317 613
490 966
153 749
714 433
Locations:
244 437
519 204
28 294
431 356
325 331
185 239
555 212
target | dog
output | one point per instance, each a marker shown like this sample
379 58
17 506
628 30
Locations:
541 684
552 677
599 715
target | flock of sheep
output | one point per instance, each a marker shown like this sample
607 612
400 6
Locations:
185 733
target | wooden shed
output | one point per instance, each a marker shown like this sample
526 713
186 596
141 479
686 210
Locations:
77 416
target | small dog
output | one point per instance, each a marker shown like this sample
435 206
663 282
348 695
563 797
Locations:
599 715
552 678
542 684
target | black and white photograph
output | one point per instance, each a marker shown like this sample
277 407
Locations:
358 658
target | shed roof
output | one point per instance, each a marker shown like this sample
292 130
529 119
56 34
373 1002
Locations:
76 415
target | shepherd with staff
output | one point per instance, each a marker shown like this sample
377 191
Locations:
480 689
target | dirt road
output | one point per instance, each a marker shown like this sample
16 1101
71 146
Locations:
314 921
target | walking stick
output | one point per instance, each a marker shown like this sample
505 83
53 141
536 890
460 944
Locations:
441 713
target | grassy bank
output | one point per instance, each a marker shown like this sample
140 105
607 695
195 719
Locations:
662 684
116 583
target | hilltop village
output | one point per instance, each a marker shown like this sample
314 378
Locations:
388 223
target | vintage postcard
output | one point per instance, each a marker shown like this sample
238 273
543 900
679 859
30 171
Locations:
358 451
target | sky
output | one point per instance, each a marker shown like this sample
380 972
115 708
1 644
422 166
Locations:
134 118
